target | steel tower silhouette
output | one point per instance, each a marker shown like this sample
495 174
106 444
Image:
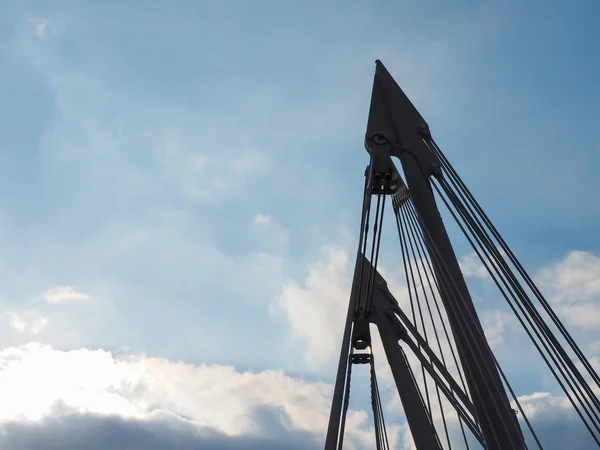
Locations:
441 328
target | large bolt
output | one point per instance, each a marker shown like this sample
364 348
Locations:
379 139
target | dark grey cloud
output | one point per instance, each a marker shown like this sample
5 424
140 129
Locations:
556 428
560 428
94 432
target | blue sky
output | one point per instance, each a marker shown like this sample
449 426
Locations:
169 169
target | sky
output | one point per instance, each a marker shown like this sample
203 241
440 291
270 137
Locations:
180 190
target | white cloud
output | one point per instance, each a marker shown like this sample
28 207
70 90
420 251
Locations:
316 308
574 279
316 311
326 290
573 287
26 322
262 219
494 325
271 235
555 421
248 162
200 162
35 377
471 266
62 294
213 173
207 181
542 402
40 26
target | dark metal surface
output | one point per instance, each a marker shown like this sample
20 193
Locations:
438 300
334 433
395 128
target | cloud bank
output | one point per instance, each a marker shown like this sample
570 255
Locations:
52 397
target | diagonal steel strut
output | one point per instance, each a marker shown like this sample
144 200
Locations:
357 335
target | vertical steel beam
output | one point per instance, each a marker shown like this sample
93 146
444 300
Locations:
335 415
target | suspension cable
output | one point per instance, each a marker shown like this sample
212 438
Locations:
466 315
412 244
571 382
551 344
555 319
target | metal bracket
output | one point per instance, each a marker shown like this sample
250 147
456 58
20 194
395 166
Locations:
396 127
